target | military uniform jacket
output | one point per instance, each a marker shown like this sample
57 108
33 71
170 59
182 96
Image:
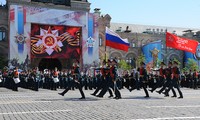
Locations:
168 72
76 70
143 74
16 74
76 73
55 74
113 72
105 71
162 72
176 72
195 75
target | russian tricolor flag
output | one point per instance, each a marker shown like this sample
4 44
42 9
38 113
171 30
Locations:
115 41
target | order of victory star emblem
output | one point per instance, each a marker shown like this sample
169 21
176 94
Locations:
20 38
50 40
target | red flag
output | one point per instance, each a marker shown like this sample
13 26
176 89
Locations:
181 43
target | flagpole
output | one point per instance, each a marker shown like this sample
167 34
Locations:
105 44
165 41
105 49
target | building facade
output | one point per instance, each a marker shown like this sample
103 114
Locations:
139 36
49 33
4 33
27 28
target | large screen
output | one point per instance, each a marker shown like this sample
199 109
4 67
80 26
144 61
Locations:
55 41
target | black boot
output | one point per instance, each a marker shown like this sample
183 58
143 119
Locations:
63 93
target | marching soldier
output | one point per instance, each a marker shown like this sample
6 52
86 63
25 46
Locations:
127 80
46 79
102 83
195 79
168 76
108 82
37 78
162 77
34 78
5 78
65 78
76 74
189 79
175 80
16 79
113 76
142 79
55 79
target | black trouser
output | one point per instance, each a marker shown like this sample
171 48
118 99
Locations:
46 83
108 83
195 83
9 82
90 83
36 85
143 85
54 84
167 84
6 82
174 83
77 84
116 90
127 83
158 83
100 86
14 86
41 84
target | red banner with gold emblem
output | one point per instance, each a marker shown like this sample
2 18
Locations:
55 41
181 43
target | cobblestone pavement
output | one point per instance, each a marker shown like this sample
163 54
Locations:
48 105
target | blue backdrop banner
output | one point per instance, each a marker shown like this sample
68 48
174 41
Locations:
148 48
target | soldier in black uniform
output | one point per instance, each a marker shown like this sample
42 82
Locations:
126 83
102 83
5 78
76 81
16 79
195 79
142 79
55 81
162 77
189 79
10 80
113 77
36 79
107 81
175 80
168 75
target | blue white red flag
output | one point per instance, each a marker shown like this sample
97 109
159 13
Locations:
115 41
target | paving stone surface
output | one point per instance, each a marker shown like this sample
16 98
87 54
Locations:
48 105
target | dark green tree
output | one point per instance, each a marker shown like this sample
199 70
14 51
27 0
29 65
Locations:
124 65
140 58
191 65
